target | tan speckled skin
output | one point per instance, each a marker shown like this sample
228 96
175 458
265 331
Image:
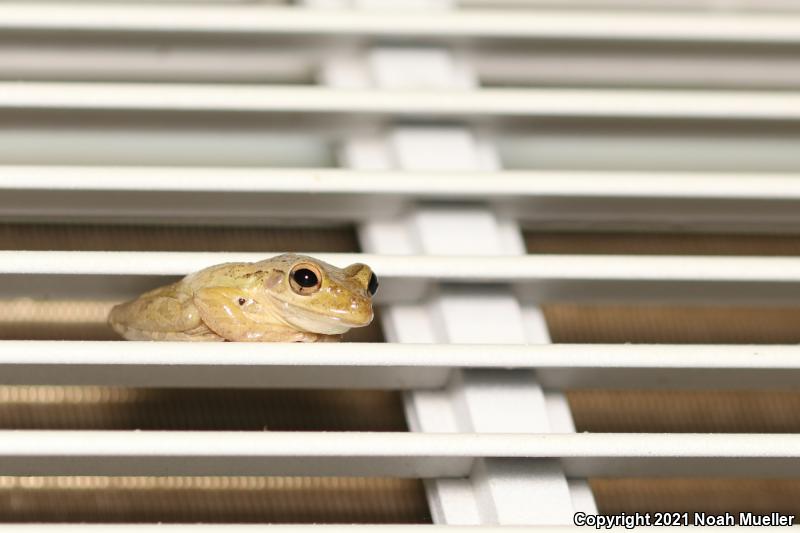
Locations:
205 306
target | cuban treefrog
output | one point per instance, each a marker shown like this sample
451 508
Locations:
288 298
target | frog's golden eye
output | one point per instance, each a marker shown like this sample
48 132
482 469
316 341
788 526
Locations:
305 278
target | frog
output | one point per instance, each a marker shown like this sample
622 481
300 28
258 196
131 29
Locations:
287 298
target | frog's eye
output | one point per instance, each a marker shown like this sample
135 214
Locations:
372 286
305 279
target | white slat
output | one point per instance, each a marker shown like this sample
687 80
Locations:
444 268
714 6
424 455
595 278
263 196
720 105
498 24
395 366
384 185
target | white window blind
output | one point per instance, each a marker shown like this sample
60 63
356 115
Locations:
442 135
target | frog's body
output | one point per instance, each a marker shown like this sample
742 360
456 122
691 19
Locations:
289 298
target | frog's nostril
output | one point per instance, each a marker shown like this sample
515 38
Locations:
372 286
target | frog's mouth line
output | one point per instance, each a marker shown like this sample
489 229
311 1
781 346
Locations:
308 320
319 323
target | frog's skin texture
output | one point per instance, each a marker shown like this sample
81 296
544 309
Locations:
255 302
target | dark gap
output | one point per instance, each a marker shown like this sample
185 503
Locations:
121 408
177 238
213 500
660 243
707 495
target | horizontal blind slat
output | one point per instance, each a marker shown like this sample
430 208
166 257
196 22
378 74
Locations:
618 26
665 279
426 455
719 105
411 184
438 268
395 366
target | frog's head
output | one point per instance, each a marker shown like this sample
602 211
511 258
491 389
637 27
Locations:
312 295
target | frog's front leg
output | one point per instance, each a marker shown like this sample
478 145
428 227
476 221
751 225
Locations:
222 309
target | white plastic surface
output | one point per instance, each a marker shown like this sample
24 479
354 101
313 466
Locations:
412 184
594 103
499 24
449 268
623 199
403 366
424 455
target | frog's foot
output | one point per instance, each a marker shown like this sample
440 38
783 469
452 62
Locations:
319 337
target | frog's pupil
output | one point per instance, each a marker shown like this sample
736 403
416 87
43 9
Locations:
372 286
305 278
